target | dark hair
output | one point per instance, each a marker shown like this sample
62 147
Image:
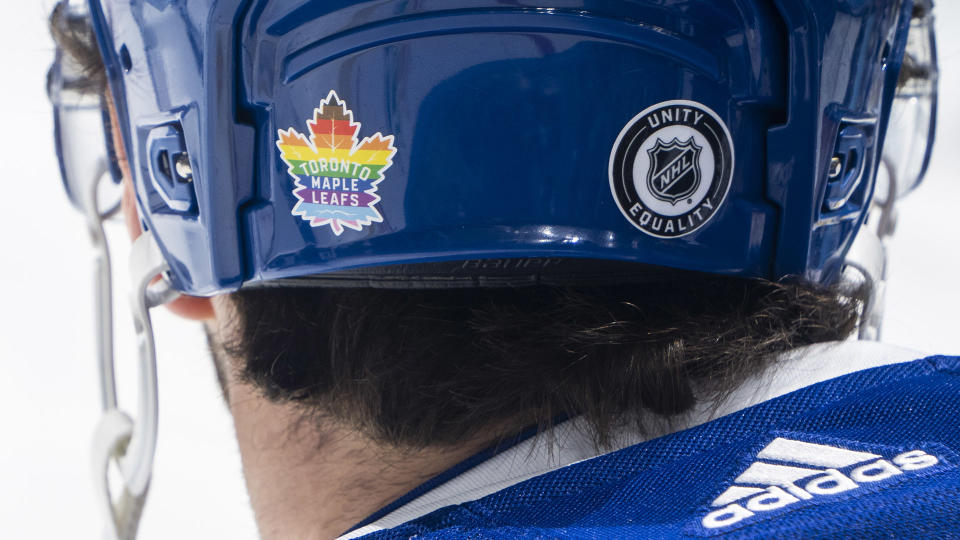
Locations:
74 39
419 368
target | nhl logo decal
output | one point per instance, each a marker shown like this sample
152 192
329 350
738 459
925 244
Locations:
671 167
335 175
674 173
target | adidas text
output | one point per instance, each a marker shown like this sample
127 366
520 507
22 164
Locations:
784 485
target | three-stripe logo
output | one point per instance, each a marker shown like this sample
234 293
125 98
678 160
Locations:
787 472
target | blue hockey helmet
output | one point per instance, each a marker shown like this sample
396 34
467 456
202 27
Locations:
435 143
439 143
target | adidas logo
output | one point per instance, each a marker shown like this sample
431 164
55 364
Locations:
765 487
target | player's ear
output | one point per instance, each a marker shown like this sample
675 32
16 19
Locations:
190 307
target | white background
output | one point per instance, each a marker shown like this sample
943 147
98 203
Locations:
48 390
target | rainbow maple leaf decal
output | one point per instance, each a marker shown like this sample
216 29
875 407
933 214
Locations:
335 178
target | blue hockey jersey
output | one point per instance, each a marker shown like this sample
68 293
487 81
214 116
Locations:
863 453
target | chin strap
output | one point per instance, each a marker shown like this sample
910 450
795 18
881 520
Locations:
866 261
120 439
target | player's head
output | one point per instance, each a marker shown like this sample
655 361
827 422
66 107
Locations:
542 193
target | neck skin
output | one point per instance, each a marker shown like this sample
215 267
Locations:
312 479
309 482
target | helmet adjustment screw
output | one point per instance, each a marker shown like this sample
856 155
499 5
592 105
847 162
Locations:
836 167
183 168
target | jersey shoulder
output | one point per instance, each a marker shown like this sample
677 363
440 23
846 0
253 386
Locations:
870 454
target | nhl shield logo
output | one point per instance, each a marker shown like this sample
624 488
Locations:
671 168
674 169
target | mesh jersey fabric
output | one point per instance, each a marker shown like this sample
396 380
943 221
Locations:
666 487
